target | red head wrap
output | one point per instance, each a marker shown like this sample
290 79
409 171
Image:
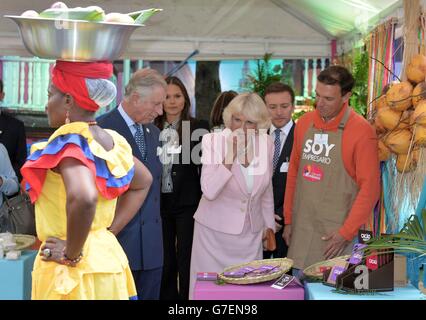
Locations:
69 77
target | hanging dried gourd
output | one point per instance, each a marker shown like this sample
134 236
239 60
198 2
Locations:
416 69
419 114
399 141
420 136
384 151
388 118
419 93
380 103
407 162
404 122
378 126
399 96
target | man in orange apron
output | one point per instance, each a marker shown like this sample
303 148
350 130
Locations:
334 176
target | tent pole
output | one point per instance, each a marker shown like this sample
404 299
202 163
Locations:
126 74
306 79
314 75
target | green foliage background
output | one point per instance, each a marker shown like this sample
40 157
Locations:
266 73
359 97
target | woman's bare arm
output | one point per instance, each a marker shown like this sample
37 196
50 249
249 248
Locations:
132 200
82 197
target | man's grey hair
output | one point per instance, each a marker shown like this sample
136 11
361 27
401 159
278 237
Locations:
143 82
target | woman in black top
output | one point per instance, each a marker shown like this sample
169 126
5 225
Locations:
180 189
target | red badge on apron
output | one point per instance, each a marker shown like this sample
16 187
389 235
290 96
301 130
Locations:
312 172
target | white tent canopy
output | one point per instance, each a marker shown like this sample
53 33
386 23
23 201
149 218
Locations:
223 29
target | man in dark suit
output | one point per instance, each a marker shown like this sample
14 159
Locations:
12 135
141 239
279 99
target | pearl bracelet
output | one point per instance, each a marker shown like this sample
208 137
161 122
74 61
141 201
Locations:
70 262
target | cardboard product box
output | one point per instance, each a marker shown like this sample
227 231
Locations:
380 275
400 271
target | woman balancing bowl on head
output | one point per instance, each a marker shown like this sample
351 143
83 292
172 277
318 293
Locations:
74 180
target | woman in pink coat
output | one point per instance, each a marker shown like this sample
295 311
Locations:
237 205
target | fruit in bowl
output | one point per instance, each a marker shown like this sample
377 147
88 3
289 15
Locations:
30 14
118 18
92 13
59 5
59 10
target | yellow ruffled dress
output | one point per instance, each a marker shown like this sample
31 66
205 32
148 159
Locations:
104 271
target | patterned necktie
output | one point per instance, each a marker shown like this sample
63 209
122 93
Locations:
277 145
140 140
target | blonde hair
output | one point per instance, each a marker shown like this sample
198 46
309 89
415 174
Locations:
251 106
143 81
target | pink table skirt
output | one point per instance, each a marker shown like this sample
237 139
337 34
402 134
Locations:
209 290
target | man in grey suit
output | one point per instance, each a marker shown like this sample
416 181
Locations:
142 238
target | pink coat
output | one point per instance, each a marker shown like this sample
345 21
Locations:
226 201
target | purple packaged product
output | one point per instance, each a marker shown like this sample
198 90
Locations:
357 253
337 270
238 273
277 268
262 270
234 274
246 269
267 267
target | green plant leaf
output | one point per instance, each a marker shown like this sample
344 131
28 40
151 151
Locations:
358 100
143 15
263 75
411 238
297 115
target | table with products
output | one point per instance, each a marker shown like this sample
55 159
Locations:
209 290
15 277
318 291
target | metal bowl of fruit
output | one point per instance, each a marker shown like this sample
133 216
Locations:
78 34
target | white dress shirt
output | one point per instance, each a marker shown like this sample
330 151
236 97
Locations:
284 131
248 176
129 121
